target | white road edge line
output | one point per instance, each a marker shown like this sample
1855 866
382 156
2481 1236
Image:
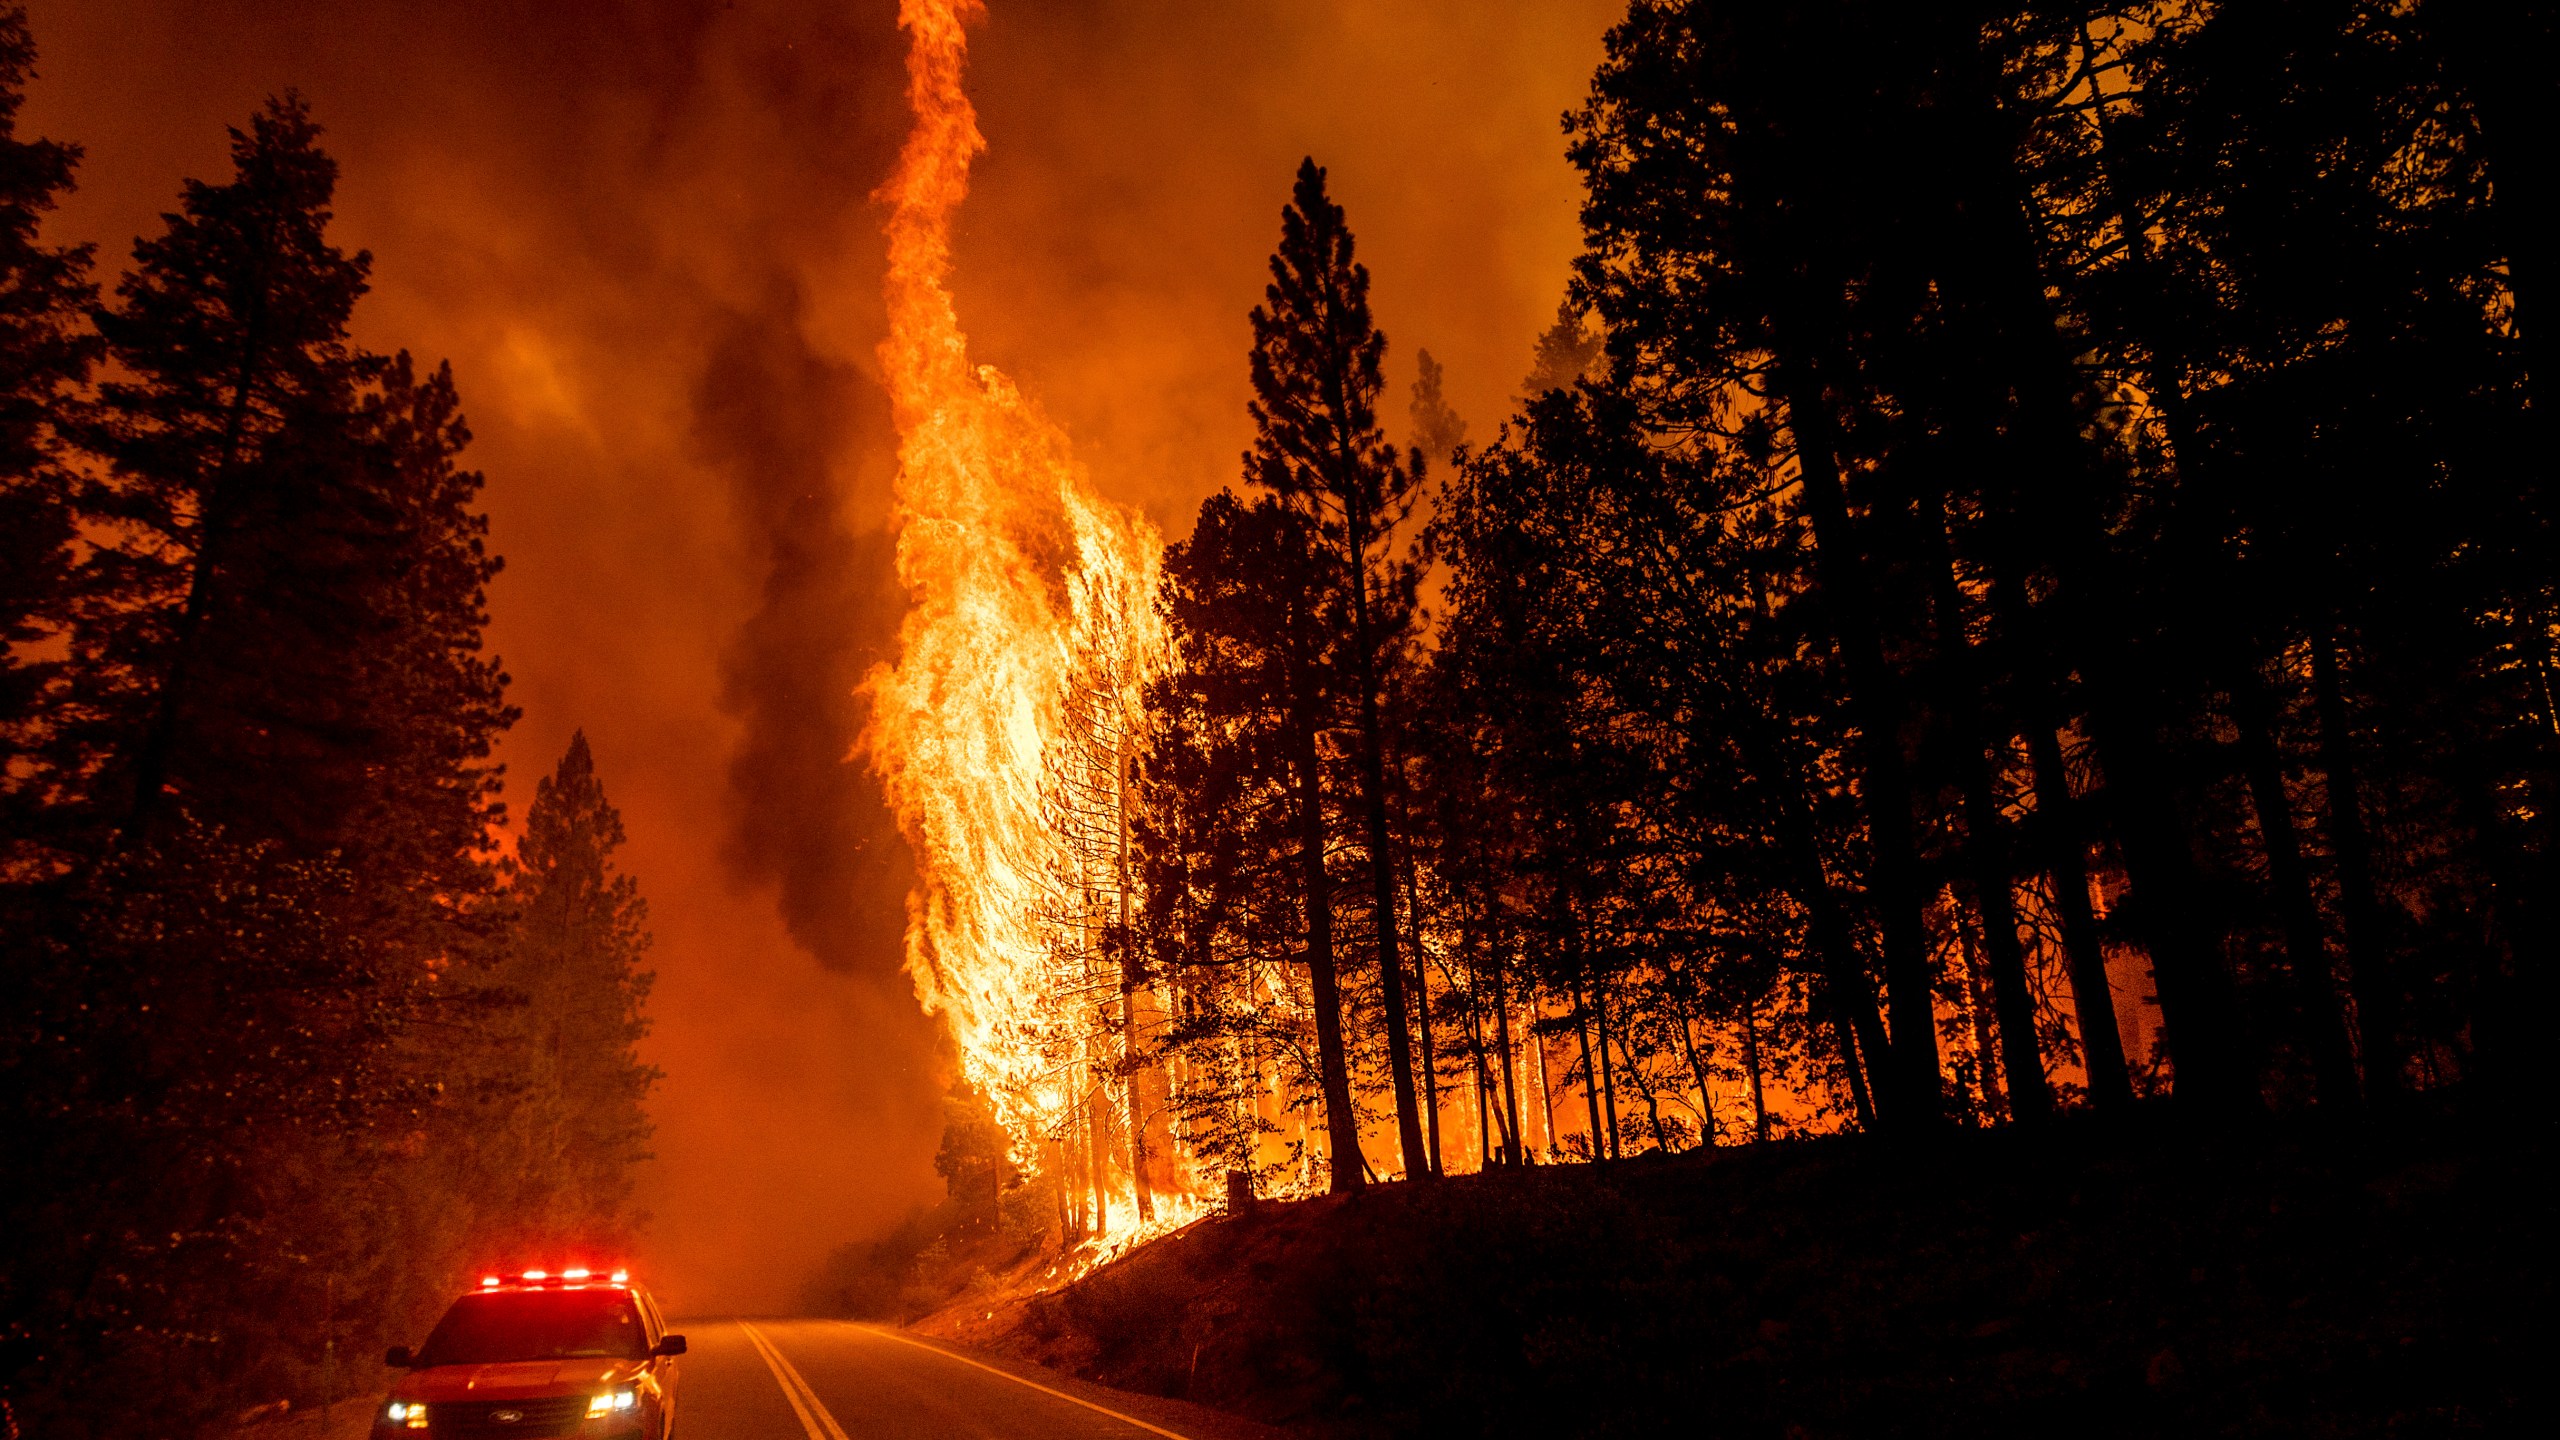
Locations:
1018 1380
812 1411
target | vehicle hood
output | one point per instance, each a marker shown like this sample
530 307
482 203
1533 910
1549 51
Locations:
517 1380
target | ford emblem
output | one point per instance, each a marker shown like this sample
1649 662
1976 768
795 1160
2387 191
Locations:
505 1417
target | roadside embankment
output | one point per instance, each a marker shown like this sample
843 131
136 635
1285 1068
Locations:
2283 1277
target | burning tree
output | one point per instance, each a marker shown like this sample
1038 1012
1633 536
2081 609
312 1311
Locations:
1006 731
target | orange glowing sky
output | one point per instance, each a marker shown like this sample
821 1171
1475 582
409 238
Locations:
643 233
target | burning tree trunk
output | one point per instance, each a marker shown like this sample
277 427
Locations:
1978 1003
1608 1072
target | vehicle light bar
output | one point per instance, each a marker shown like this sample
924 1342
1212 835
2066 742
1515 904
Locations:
574 1276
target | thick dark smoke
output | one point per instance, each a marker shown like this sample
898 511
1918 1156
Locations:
807 816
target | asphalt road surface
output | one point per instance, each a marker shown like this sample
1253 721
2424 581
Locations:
833 1380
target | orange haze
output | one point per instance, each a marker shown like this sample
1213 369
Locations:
644 234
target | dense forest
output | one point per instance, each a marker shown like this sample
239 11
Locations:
2019 593
292 1037
2021 584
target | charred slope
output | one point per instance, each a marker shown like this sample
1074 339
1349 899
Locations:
2274 1280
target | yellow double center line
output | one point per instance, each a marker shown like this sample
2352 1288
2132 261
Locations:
822 1426
804 1401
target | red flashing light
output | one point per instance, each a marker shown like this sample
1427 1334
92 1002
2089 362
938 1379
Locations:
574 1276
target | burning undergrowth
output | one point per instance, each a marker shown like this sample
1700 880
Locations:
992 1244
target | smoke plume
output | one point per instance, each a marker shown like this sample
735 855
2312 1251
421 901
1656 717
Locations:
806 816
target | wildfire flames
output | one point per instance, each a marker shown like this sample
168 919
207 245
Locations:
1004 730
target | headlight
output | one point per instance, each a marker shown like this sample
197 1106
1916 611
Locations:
611 1401
412 1413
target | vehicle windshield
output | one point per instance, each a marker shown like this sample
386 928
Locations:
536 1325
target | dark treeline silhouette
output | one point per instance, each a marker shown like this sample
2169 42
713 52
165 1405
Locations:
2022 581
291 1042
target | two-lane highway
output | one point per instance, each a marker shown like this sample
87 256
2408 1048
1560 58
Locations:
832 1380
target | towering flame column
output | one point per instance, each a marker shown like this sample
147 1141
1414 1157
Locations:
1031 631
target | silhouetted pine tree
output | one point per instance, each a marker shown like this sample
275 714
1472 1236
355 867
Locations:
46 353
1319 446
266 789
577 1121
287 643
1240 889
1437 429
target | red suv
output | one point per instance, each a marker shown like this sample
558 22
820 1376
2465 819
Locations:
574 1353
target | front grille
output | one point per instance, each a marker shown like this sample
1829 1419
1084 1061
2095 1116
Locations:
476 1419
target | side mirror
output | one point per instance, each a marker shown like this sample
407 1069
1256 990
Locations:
668 1345
398 1357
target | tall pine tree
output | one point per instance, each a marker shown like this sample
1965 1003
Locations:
1319 446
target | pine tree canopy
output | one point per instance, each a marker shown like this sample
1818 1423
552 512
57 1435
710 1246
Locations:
46 354
574 961
284 641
